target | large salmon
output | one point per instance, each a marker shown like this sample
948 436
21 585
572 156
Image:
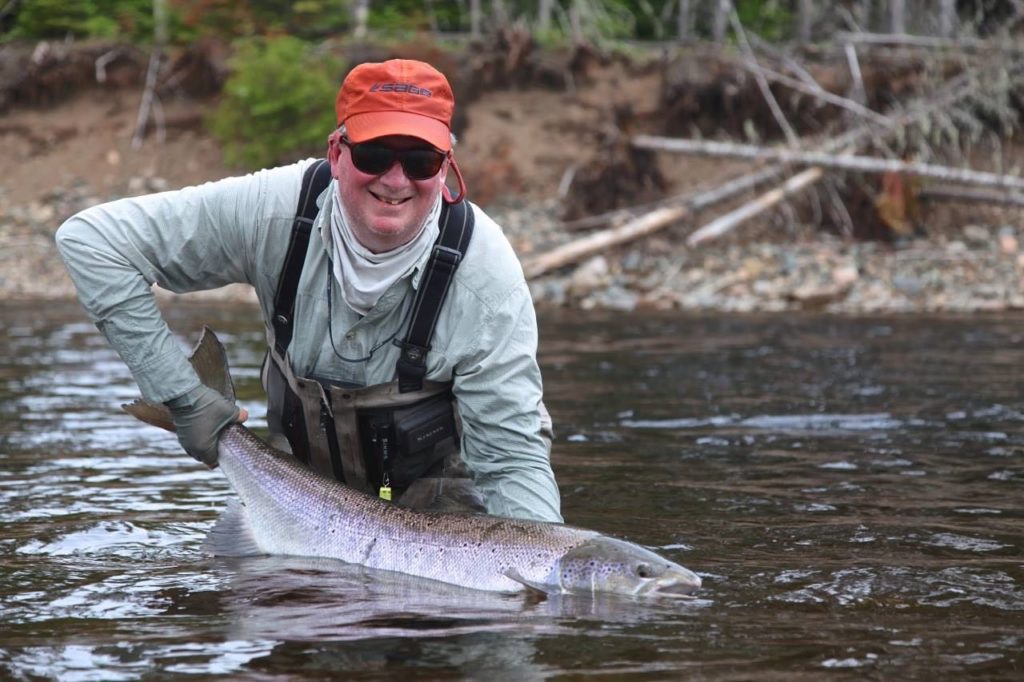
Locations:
286 508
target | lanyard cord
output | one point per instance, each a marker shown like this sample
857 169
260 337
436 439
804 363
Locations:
330 324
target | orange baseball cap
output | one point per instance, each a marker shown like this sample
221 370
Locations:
396 97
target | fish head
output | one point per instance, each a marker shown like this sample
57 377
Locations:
604 565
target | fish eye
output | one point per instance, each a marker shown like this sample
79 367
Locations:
644 571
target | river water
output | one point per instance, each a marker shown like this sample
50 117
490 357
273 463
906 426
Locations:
850 489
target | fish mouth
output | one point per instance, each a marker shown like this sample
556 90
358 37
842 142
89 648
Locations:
677 585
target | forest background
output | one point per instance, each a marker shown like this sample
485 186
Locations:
847 156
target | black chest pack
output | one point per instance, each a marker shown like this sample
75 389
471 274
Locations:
398 443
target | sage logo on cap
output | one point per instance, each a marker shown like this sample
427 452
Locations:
399 87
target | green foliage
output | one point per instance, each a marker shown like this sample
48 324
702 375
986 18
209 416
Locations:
278 102
403 16
132 20
245 18
769 19
115 19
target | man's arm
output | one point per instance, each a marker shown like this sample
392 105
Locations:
187 240
498 389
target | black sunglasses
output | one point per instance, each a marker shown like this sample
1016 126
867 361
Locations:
375 158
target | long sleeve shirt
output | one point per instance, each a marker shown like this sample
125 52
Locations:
238 229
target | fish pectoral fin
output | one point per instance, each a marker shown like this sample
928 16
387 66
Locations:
210 361
232 534
531 585
157 415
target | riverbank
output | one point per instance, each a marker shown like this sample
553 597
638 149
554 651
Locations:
980 269
530 153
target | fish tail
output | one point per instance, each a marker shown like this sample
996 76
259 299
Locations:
210 361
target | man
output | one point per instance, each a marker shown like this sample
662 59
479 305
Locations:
341 314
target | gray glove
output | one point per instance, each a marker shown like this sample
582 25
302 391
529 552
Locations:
199 417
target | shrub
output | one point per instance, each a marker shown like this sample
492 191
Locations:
278 103
124 19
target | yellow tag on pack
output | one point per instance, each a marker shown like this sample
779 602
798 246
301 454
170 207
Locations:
385 492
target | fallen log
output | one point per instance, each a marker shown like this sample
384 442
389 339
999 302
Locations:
581 248
727 222
985 196
929 42
574 251
852 162
640 226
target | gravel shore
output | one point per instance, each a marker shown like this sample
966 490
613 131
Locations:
980 268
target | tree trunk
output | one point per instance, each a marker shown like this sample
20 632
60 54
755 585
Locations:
544 12
805 11
362 17
947 18
150 104
576 21
897 17
684 21
500 13
475 18
720 20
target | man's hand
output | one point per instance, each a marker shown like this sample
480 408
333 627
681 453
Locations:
199 417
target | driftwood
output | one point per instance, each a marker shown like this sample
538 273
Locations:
866 164
985 196
643 225
599 241
572 252
620 216
929 42
725 223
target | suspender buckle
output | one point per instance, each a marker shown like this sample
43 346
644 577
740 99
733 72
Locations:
411 366
447 256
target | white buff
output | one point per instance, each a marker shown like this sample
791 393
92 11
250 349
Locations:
364 276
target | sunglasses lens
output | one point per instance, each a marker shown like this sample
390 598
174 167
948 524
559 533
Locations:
420 164
377 159
373 159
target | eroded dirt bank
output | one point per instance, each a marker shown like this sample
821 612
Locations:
544 142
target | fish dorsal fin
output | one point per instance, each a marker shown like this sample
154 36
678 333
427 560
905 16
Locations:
210 361
232 535
532 585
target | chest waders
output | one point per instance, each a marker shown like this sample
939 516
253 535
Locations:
399 440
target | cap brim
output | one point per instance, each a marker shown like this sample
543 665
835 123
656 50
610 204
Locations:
363 127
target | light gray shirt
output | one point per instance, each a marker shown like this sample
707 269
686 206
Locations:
238 229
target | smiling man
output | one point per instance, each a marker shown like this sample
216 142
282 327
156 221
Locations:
401 334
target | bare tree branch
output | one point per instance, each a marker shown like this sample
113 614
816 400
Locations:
762 83
829 160
819 93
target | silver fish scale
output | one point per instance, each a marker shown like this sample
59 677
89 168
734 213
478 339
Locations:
293 510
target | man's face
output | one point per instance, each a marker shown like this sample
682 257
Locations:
385 210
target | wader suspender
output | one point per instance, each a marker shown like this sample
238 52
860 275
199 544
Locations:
456 223
456 230
314 182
